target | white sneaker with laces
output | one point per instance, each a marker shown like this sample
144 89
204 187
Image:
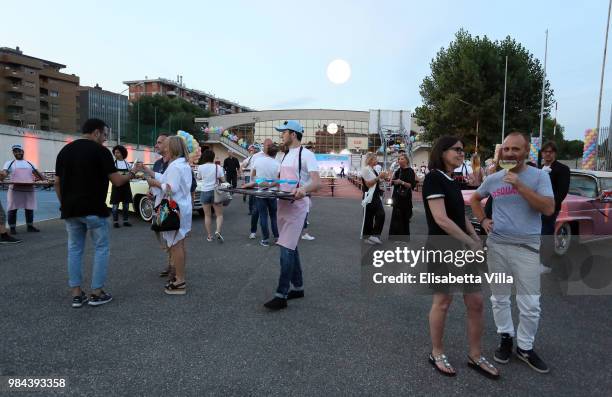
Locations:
252 236
375 240
308 237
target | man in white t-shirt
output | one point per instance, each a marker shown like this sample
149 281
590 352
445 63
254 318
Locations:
266 167
21 196
299 174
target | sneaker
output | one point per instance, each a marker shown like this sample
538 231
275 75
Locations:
209 239
127 224
97 300
116 225
264 243
13 230
375 240
8 239
276 304
219 237
504 351
308 237
295 295
252 236
531 358
175 289
80 300
32 229
368 241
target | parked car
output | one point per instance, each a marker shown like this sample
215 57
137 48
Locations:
143 205
586 212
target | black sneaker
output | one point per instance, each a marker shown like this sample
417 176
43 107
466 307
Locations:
504 351
80 300
295 295
32 229
8 239
97 300
276 304
127 224
531 358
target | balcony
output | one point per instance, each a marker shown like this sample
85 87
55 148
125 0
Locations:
15 116
15 101
171 93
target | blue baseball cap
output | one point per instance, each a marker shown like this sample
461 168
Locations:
291 125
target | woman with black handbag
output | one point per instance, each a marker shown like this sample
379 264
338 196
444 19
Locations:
175 198
404 180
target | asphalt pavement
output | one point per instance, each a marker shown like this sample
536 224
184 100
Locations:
219 340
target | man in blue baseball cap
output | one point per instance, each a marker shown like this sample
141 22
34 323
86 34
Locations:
298 166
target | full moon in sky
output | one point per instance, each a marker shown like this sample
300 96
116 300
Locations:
338 71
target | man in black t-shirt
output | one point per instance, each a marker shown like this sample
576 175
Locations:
82 171
231 165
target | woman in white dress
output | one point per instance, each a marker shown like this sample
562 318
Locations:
177 182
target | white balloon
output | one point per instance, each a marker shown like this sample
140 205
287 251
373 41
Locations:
332 128
338 71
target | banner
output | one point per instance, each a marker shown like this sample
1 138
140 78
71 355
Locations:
357 143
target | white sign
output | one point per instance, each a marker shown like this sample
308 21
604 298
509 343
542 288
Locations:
354 143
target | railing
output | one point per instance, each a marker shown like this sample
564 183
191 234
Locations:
604 149
228 142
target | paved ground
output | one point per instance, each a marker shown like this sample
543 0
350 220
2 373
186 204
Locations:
219 340
48 206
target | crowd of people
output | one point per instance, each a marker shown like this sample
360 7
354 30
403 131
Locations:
521 210
82 189
523 204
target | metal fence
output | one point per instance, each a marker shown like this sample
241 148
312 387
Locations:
604 149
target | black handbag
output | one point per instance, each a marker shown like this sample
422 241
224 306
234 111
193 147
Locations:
166 216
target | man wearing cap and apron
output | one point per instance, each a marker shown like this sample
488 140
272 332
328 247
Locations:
300 165
21 196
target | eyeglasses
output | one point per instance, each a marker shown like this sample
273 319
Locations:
459 150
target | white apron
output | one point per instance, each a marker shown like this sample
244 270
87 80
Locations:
290 214
21 196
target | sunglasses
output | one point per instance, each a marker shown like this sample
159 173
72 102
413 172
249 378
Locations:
458 150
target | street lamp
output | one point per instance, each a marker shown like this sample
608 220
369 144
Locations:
119 118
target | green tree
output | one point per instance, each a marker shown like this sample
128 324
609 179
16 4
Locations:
570 150
471 70
160 113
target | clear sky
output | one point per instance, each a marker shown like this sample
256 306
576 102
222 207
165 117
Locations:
274 54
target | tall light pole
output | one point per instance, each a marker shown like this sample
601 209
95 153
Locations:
543 91
119 118
504 111
477 120
603 68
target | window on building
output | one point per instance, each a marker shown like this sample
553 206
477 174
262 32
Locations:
53 93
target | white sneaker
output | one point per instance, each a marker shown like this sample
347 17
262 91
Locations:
368 241
308 237
375 240
252 236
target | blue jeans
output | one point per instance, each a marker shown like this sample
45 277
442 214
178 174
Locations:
291 273
267 206
254 213
77 232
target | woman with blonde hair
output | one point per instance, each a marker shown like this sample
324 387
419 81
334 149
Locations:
478 174
175 183
374 215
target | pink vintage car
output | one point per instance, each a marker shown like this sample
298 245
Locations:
586 212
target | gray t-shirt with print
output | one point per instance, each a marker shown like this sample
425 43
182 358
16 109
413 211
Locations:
514 220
